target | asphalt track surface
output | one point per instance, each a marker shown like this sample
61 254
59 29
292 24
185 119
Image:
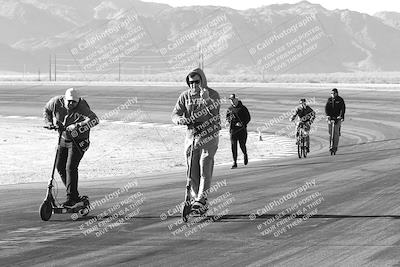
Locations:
356 223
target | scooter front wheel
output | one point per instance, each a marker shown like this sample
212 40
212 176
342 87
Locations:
187 208
45 210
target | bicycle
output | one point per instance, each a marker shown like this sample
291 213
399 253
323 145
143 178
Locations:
302 148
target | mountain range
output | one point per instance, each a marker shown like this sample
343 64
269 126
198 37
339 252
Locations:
163 39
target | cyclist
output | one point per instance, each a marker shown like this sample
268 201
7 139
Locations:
306 115
334 110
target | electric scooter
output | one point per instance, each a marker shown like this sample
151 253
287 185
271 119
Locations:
188 210
49 206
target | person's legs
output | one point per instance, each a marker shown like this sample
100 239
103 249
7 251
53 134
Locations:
234 141
307 130
330 135
62 155
195 173
336 135
74 157
242 143
298 126
206 168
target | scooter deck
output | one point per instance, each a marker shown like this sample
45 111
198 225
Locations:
193 213
74 209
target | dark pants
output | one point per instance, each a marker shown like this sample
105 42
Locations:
68 158
240 136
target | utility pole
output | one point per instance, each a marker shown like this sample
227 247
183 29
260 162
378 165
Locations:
23 75
119 69
201 58
39 74
50 67
55 67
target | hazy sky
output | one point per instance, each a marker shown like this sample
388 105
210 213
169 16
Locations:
369 7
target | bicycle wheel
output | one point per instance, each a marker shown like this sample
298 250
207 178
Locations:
299 150
304 147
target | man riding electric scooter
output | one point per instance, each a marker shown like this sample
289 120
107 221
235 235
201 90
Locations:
73 119
335 109
198 108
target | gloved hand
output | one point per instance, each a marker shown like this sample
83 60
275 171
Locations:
204 93
183 121
71 127
49 126
60 126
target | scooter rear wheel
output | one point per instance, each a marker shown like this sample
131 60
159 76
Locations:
83 212
45 210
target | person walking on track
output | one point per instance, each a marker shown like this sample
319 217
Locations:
199 109
238 117
335 109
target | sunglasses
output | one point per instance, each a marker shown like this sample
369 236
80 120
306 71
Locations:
194 82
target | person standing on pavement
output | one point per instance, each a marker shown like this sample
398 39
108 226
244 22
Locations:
199 109
238 117
335 109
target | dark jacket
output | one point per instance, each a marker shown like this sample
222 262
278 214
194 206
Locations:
237 114
305 114
335 107
81 115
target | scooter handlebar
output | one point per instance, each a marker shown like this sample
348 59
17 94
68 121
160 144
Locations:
50 127
53 127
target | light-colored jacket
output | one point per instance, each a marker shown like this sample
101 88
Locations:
202 117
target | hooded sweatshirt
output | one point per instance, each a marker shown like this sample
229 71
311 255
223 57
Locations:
237 114
202 117
81 115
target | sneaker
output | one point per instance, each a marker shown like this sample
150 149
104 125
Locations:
70 202
200 207
246 159
234 166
